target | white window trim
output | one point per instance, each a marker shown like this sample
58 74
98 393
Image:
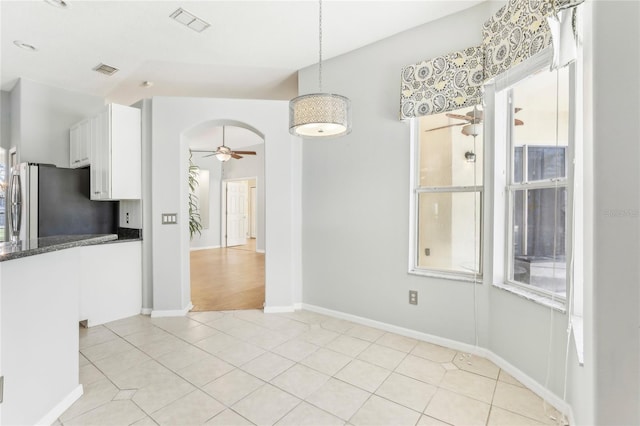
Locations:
496 94
413 268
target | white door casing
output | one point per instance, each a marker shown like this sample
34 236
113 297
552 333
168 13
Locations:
237 201
253 227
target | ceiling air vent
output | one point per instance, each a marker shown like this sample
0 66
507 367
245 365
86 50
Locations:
106 69
190 20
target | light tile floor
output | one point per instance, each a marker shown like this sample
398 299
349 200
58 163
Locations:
302 368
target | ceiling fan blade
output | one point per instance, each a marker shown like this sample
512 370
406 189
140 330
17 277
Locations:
444 127
518 122
210 155
202 150
517 110
245 152
236 156
458 116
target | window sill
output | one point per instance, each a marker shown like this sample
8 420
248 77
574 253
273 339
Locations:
577 329
447 276
556 305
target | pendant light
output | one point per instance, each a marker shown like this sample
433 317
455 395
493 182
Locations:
318 115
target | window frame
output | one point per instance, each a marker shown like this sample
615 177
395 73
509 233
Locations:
498 95
414 228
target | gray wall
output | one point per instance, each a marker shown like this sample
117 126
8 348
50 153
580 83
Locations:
355 220
5 120
41 118
356 192
616 292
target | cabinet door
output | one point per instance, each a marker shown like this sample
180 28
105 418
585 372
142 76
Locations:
79 139
83 150
100 147
74 146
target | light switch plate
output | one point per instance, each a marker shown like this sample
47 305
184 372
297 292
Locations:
169 218
413 297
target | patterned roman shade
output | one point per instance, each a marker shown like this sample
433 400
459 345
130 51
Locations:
516 32
519 30
442 84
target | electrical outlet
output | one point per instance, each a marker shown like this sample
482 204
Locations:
427 252
413 297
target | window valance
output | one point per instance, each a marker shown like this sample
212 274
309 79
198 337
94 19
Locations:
519 30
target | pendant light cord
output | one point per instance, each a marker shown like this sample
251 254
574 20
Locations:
320 47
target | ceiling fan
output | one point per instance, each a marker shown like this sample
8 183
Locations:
224 153
472 122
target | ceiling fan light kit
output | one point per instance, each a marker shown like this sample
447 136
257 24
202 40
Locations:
320 115
472 129
224 153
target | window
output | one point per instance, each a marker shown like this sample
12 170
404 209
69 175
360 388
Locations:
446 195
537 184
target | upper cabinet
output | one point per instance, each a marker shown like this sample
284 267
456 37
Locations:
79 147
116 154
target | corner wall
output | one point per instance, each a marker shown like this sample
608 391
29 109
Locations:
169 158
356 192
616 215
356 223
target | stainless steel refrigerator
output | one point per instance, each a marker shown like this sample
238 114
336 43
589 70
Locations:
46 200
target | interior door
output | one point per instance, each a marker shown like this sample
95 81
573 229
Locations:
237 213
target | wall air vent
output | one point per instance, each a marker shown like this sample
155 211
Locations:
190 20
106 69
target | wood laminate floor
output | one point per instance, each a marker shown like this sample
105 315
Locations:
227 278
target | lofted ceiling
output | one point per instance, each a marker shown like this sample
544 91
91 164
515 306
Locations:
252 49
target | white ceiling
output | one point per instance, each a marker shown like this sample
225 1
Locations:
253 49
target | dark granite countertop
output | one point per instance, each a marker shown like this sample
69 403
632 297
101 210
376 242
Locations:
9 251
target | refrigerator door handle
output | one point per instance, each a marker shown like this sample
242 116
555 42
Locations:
16 205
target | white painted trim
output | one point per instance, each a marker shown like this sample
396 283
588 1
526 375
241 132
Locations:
278 309
174 313
453 344
203 248
61 407
530 383
260 251
146 311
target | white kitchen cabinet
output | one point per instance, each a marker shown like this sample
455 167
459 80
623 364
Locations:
116 154
79 146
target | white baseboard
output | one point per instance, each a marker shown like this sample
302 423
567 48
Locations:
203 248
61 407
174 313
278 309
523 378
453 344
146 311
260 251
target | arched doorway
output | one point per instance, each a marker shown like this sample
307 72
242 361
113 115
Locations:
227 255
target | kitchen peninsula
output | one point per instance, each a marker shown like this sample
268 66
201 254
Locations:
46 286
